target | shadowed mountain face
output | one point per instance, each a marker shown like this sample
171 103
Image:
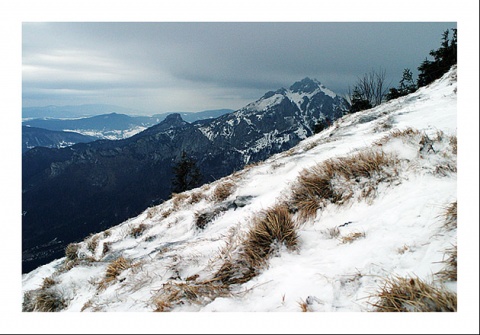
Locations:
37 137
72 192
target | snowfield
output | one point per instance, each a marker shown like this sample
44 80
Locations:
391 224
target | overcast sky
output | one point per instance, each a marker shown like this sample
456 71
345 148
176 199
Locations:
160 67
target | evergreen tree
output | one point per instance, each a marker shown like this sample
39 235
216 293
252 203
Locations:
443 59
407 86
186 174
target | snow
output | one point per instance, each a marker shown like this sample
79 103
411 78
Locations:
262 104
109 134
401 227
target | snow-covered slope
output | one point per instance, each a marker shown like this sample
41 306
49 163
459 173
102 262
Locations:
191 252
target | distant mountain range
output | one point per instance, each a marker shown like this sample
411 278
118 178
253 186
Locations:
113 126
72 192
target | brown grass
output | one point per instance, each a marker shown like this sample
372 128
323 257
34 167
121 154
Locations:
92 243
303 306
106 247
414 295
47 300
271 230
202 219
352 237
333 232
397 133
274 228
223 190
334 180
449 273
138 231
47 283
196 197
71 252
453 144
178 199
450 216
115 268
175 293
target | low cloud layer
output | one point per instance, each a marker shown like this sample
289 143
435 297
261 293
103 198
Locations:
159 67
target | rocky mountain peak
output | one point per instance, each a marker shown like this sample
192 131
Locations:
306 85
174 119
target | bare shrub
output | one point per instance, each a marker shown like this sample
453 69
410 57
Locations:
414 295
223 190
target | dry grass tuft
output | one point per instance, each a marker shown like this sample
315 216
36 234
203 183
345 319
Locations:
71 252
413 295
174 293
335 180
178 199
115 268
138 231
271 230
453 144
352 237
397 133
274 228
151 212
106 248
304 306
333 232
223 190
47 300
450 216
449 273
196 197
47 283
92 243
203 218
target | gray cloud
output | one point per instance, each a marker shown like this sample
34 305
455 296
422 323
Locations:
156 67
